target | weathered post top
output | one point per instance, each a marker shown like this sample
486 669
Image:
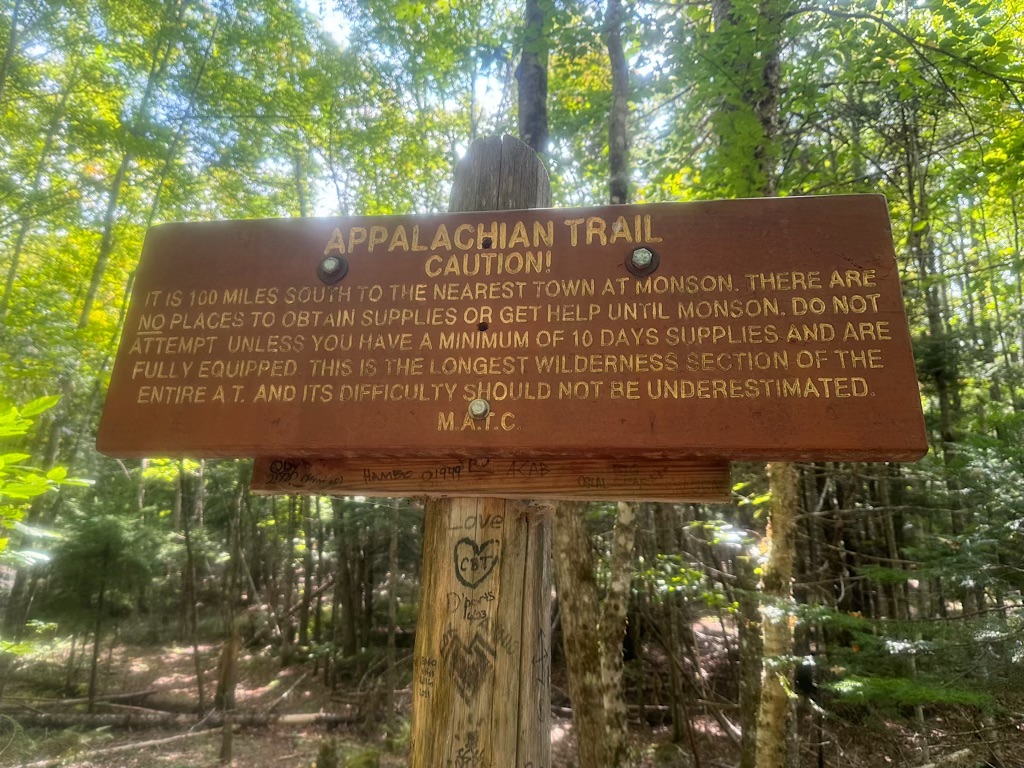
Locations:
746 329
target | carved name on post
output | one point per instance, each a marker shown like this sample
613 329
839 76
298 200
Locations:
750 329
703 480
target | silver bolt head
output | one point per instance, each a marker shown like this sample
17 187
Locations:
330 265
479 409
642 258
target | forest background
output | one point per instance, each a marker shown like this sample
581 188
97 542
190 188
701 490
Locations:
119 114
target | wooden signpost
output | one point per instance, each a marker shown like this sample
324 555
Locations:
482 664
497 354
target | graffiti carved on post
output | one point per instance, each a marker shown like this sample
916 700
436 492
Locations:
475 562
469 755
283 471
469 664
425 674
542 668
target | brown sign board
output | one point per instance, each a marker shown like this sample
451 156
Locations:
746 329
693 480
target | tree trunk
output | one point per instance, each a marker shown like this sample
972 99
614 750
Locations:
748 620
618 129
613 629
533 78
12 45
288 565
777 595
191 595
98 630
308 566
755 74
344 621
672 623
162 50
613 618
392 654
580 614
593 633
227 673
321 574
27 220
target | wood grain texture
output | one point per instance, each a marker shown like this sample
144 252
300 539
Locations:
678 480
482 687
233 345
499 174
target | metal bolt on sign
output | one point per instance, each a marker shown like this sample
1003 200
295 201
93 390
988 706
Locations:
642 262
332 269
479 409
642 258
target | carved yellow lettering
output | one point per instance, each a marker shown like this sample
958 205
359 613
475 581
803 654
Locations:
378 236
573 225
461 242
519 236
399 240
416 244
620 231
543 232
649 236
433 266
441 239
337 242
356 235
487 238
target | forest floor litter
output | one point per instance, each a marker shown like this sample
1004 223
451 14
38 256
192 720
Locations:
284 704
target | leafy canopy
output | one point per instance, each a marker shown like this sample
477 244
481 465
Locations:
19 483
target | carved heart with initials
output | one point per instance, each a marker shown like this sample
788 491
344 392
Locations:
475 562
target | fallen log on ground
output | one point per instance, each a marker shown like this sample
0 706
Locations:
280 699
44 700
653 714
963 757
157 719
105 751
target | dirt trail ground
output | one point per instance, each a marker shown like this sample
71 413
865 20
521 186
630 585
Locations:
167 679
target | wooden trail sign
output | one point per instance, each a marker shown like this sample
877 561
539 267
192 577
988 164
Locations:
746 329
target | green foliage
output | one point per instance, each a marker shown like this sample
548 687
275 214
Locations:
101 553
328 754
672 574
20 483
892 663
898 692
365 758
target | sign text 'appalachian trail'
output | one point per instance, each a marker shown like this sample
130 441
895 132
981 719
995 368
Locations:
749 329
